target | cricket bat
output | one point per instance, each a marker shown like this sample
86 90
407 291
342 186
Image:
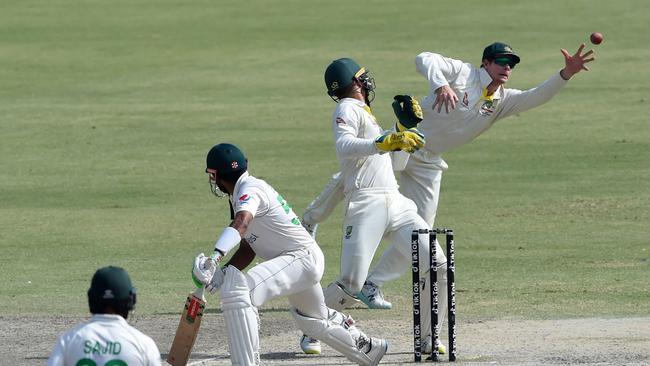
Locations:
188 328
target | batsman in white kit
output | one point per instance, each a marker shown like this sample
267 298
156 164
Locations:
264 225
464 101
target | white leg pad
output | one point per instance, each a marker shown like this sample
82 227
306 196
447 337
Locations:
242 322
337 331
337 298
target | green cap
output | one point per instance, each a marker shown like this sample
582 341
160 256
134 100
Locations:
226 158
340 73
110 284
497 49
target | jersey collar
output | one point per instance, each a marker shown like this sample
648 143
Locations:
486 79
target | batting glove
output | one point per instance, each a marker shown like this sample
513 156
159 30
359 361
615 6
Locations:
409 141
217 280
204 268
408 112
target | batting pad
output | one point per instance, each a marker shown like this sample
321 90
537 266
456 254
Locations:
338 332
242 323
337 298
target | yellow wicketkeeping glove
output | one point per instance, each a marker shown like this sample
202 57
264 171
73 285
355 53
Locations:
409 141
408 112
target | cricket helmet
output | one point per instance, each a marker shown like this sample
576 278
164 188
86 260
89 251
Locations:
342 72
226 161
497 49
111 286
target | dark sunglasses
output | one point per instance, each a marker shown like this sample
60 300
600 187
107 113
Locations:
503 61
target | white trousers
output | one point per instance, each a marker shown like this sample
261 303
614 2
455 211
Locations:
420 182
296 275
372 214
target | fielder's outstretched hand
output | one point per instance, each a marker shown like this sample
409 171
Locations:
576 62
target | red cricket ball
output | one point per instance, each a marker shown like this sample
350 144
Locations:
596 38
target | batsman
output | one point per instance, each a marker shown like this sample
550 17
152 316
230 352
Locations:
263 224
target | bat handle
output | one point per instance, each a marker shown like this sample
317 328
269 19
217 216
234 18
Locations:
200 293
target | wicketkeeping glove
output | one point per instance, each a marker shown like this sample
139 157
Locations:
408 112
409 141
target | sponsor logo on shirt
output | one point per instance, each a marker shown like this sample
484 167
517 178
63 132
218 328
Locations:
244 198
340 121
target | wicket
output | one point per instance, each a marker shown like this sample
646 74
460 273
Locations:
433 277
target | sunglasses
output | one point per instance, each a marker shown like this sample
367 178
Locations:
503 61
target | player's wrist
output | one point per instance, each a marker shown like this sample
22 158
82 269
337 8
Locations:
564 76
228 240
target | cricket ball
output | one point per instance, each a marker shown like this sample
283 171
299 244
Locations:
596 38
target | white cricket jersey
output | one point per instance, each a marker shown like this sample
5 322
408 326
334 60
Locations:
355 131
275 228
103 339
474 113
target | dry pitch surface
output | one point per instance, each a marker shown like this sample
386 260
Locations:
28 341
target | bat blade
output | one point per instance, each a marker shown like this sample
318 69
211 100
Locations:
188 328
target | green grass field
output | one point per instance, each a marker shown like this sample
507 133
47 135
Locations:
107 110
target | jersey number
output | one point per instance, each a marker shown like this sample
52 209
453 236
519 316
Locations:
89 362
287 208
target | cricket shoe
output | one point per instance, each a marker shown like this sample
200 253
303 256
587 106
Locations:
372 296
375 349
309 345
439 346
311 229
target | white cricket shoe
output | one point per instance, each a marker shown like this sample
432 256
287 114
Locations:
375 350
372 296
426 347
309 345
311 229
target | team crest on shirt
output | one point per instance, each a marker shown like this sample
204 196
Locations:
340 121
348 232
487 108
244 198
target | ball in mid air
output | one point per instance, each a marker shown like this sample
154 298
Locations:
596 38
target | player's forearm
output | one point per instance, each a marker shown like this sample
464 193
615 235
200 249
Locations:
352 147
242 257
437 69
531 98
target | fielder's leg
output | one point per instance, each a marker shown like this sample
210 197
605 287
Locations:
339 332
323 205
241 319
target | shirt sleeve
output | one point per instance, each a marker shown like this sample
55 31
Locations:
437 69
516 101
346 130
248 199
56 358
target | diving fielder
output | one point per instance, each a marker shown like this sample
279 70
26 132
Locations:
464 101
265 225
